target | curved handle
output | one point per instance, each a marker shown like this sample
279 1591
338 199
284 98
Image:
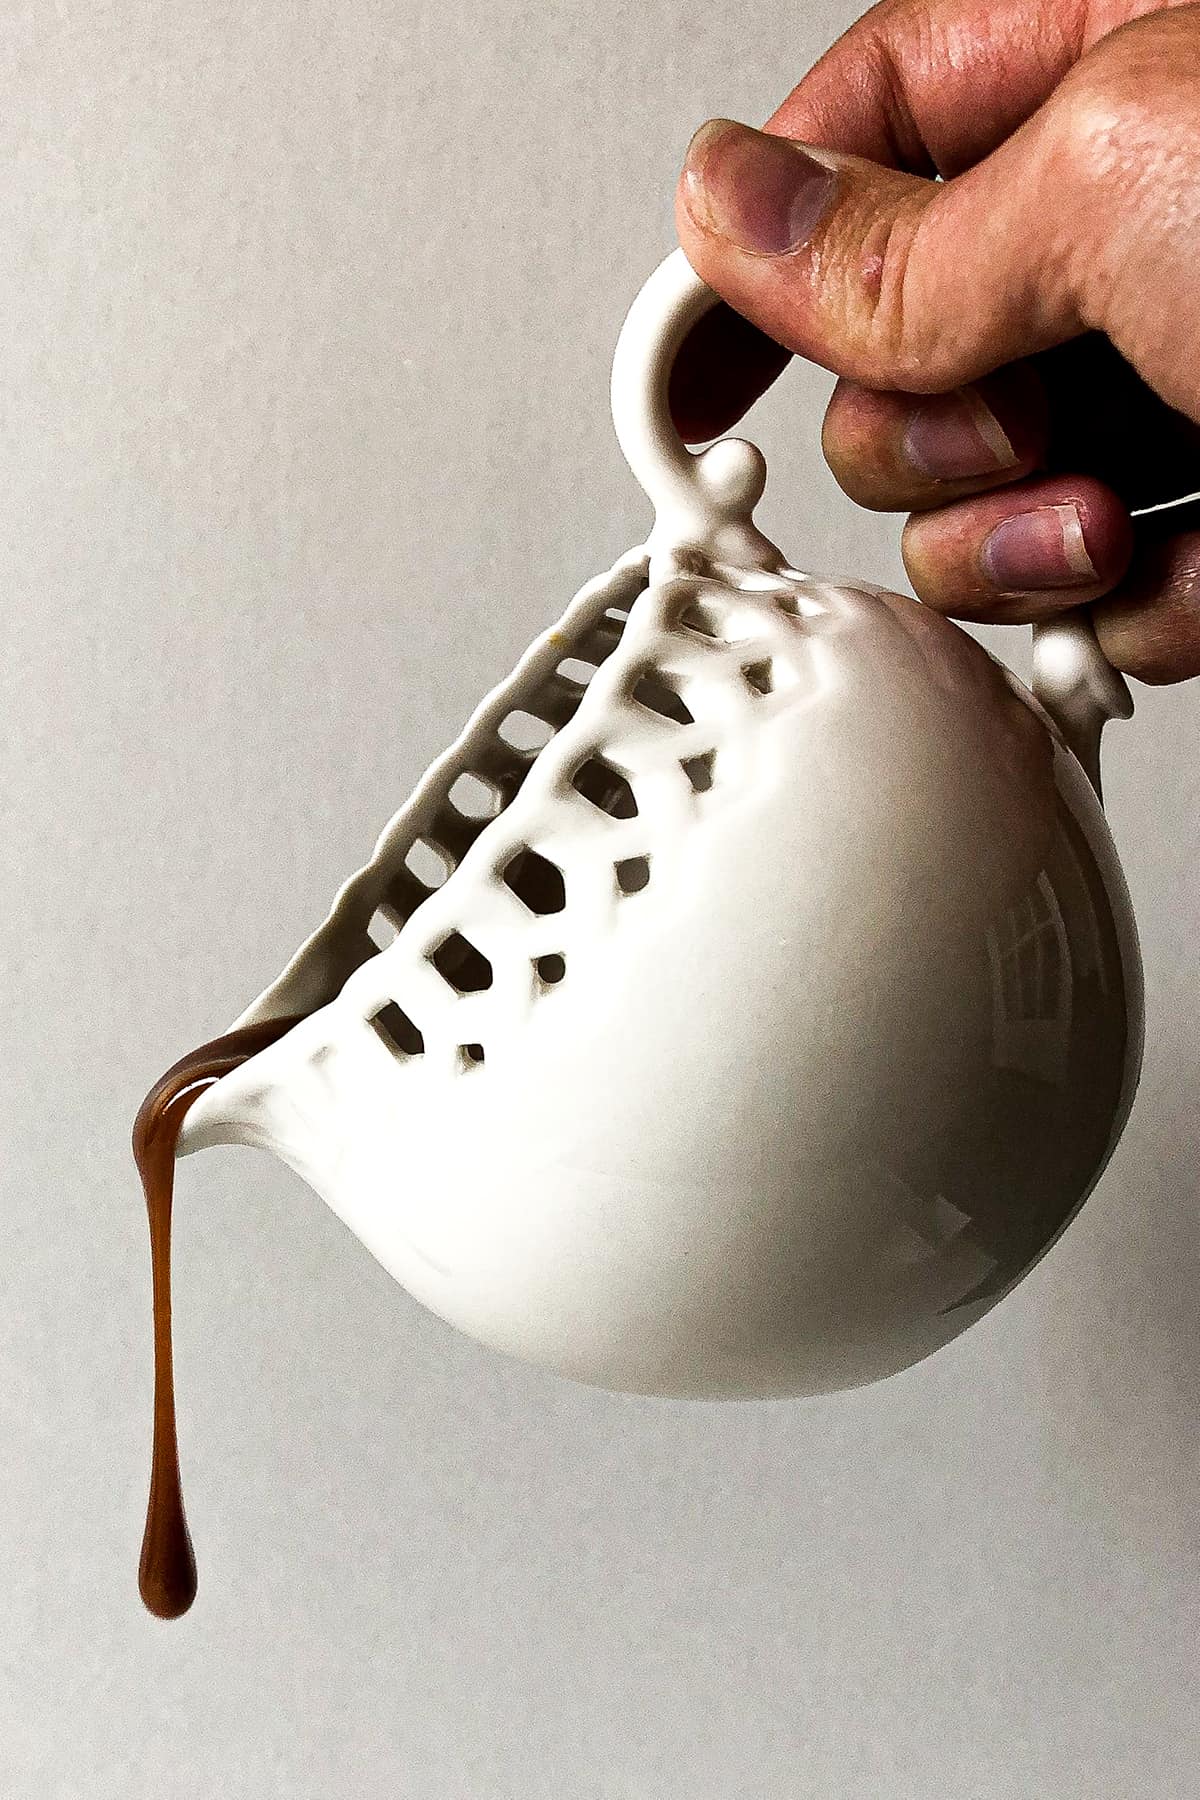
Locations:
709 498
669 304
706 497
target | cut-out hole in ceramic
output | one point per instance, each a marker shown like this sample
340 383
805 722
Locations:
428 863
760 676
551 968
705 619
474 797
525 731
393 1027
633 874
800 605
457 961
536 881
656 692
606 788
381 930
699 771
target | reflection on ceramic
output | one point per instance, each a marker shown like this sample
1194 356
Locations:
762 995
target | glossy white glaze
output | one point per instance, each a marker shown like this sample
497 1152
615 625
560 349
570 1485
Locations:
784 1011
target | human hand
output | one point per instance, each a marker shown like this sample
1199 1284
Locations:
1018 344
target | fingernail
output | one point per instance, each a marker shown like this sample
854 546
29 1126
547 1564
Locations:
955 436
762 193
1044 548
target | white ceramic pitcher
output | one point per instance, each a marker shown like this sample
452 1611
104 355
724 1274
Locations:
763 995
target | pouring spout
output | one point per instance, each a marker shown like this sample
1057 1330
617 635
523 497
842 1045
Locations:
220 1107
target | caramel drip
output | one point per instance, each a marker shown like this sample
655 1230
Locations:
167 1571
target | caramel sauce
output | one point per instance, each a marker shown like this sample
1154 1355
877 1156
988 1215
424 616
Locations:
167 1571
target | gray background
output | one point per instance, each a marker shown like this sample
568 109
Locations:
305 319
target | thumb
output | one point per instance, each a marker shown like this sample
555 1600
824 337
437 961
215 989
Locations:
883 277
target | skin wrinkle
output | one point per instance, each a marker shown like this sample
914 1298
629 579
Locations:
916 358
888 335
885 292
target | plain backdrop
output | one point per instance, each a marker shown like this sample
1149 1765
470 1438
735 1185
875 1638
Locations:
305 320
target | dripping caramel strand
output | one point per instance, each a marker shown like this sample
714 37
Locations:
167 1569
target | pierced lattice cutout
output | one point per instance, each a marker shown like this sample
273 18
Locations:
558 700
393 1027
458 961
600 642
597 643
706 619
474 797
699 771
454 832
536 881
700 645
381 930
657 693
500 764
400 899
503 769
606 788
479 794
633 874
428 862
800 605
594 647
525 731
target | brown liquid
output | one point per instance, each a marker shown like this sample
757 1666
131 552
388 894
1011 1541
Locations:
167 1571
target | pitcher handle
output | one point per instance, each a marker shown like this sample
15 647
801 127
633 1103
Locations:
710 495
